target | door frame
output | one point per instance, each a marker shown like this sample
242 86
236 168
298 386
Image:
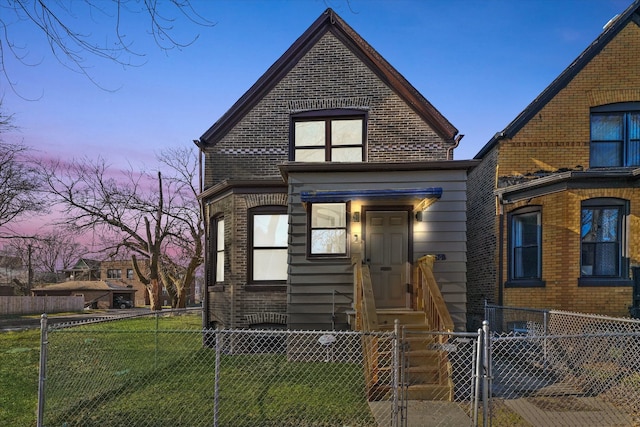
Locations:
407 208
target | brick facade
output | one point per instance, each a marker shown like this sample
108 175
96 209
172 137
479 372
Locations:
555 140
330 75
142 296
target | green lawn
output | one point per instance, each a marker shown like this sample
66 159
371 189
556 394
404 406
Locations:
157 373
19 359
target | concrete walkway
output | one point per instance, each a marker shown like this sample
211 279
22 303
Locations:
423 413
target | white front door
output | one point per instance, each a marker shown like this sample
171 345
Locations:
387 247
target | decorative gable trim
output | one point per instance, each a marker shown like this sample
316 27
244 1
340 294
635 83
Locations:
355 103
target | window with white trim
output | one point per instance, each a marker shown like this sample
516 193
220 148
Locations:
218 250
327 229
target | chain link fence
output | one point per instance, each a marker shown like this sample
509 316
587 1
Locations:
554 368
535 368
165 370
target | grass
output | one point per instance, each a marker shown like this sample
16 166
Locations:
19 359
146 372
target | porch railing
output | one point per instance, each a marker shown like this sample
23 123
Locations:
429 298
363 300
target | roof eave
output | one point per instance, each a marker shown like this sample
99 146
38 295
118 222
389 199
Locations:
564 78
328 21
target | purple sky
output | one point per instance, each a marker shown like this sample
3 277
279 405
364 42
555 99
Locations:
479 62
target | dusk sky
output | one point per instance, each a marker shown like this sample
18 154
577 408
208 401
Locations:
479 62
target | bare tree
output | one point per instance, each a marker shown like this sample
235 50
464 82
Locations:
19 181
63 24
179 266
137 214
45 254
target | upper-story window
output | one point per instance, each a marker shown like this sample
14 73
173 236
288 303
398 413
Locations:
329 136
602 241
114 273
615 135
525 257
130 273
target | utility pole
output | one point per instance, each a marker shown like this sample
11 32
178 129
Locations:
30 269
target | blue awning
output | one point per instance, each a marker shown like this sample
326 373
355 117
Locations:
328 196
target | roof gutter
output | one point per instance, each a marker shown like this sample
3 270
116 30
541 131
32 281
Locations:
456 142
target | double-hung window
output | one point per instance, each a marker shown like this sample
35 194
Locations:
338 137
327 233
217 249
525 235
615 135
268 245
602 238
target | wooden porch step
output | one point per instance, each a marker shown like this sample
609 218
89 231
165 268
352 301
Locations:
430 392
386 318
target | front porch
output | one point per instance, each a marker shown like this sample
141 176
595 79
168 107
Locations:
427 372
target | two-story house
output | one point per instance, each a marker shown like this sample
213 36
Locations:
332 158
554 206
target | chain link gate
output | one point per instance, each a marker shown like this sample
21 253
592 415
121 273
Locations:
443 378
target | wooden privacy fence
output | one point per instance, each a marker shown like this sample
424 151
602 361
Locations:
42 304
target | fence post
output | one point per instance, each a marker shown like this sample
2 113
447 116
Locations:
216 385
396 372
546 332
42 374
476 377
486 386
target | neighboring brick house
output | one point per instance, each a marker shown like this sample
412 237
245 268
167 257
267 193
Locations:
554 206
330 148
122 272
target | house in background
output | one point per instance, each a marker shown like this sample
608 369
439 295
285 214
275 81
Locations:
84 269
330 161
12 273
97 293
121 272
554 206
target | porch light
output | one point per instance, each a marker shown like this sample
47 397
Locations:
356 217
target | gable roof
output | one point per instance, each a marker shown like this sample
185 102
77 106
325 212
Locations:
328 21
610 31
